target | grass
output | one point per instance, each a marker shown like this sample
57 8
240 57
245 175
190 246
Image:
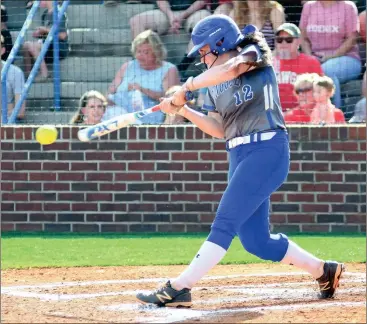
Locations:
19 250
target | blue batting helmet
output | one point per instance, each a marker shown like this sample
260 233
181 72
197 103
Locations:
220 32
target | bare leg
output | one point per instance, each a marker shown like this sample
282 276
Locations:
34 49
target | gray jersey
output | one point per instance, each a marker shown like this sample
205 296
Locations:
247 104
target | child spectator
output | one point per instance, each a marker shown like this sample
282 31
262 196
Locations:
33 49
14 85
360 109
303 90
146 78
288 63
92 105
329 32
324 111
267 16
8 42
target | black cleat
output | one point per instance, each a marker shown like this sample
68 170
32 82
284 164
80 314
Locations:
329 281
167 296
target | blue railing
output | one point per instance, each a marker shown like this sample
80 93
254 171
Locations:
19 41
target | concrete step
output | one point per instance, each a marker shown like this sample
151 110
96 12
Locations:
349 104
93 16
352 88
69 90
51 118
47 104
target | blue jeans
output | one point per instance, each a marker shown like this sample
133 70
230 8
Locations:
341 69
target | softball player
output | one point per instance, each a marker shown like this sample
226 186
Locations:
244 108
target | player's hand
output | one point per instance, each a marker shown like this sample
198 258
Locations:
178 98
112 89
134 86
167 107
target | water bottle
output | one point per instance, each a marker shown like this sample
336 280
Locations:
137 101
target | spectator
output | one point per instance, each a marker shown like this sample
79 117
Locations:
92 105
360 109
147 76
169 17
324 111
33 49
14 85
329 32
221 7
292 9
6 34
303 89
288 62
362 25
267 16
28 4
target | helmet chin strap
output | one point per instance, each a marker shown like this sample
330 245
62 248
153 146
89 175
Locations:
215 53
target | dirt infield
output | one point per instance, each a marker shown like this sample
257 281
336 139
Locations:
229 294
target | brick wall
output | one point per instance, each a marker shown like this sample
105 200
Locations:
171 179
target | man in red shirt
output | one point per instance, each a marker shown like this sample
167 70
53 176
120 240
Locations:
289 63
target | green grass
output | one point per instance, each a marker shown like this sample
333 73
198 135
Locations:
66 250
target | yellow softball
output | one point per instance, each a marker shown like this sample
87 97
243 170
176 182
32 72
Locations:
46 134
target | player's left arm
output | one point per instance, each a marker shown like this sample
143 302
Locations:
249 59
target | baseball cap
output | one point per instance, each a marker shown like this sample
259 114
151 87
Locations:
289 28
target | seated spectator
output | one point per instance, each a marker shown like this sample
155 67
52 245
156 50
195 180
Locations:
14 85
169 17
92 106
288 63
146 78
6 34
28 4
360 109
267 16
221 7
362 25
329 32
303 90
31 50
292 9
324 111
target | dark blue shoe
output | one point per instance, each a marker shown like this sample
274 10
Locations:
329 281
167 296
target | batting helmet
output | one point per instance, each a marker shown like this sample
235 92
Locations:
220 32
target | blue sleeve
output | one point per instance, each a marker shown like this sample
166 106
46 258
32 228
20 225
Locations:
252 51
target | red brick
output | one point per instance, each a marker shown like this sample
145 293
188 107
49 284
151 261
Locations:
353 133
356 218
190 166
84 206
362 146
28 133
99 176
140 207
98 156
56 206
220 187
128 176
339 198
99 197
57 146
6 186
301 218
277 197
28 206
16 196
214 156
125 156
42 176
344 146
355 156
184 197
197 146
315 228
112 186
60 166
14 156
316 133
207 218
221 166
362 133
344 166
185 156
170 132
141 166
213 197
56 186
133 134
157 176
83 166
295 166
70 176
306 166
13 176
161 132
300 197
18 133
329 177
219 146
309 208
140 146
199 133
152 132
7 227
26 227
328 156
26 166
112 166
277 218
9 131
183 176
7 206
197 187
155 156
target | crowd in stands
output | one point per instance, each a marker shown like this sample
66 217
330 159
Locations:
314 43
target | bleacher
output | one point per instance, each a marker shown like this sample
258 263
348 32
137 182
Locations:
100 43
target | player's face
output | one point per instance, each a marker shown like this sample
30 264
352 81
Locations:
321 94
286 45
93 111
145 56
206 57
304 93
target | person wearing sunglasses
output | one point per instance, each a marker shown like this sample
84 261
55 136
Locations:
289 63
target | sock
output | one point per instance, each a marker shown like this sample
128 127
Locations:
300 258
207 257
185 63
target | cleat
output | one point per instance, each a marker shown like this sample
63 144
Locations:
167 296
329 281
